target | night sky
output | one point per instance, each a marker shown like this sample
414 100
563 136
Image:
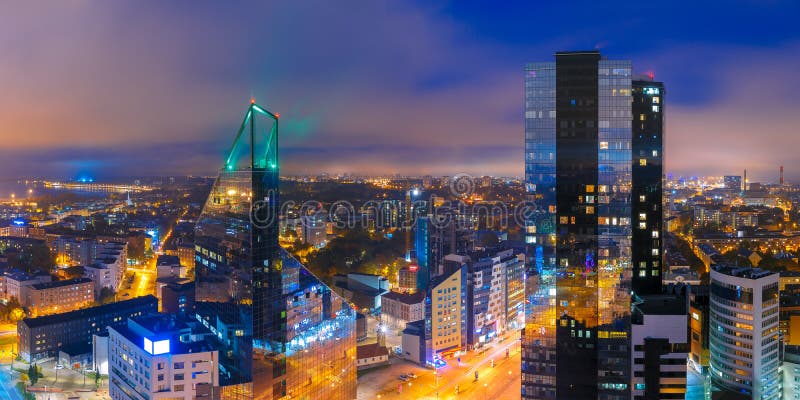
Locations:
113 88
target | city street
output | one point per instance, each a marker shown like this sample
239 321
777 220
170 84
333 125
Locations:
500 381
144 281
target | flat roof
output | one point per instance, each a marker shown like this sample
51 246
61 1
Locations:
88 312
55 284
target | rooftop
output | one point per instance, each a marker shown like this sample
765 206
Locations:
406 298
56 284
89 312
371 350
742 272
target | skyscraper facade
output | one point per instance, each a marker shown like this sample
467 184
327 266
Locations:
578 174
646 198
281 333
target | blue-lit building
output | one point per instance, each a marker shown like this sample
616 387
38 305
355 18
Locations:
281 332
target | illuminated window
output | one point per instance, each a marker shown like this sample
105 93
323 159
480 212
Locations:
590 199
603 188
589 188
603 145
642 216
642 225
655 108
641 197
643 162
563 220
655 153
590 210
655 234
642 273
641 117
655 252
656 100
572 220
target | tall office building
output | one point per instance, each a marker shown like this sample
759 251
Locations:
646 197
743 332
578 172
281 332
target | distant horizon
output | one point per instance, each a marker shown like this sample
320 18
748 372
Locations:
409 87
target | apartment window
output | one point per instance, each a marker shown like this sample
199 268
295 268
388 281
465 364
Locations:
642 217
178 388
642 273
655 234
589 210
655 252
655 153
642 162
178 365
655 108
589 188
178 377
642 197
641 117
603 145
642 225
656 100
160 377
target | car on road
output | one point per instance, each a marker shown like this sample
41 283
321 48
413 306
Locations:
404 378
59 366
412 375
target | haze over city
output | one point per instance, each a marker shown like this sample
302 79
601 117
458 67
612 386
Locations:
418 87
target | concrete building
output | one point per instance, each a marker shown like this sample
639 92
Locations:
162 357
743 331
15 280
44 337
100 353
447 314
791 372
167 266
364 290
407 278
660 346
698 327
57 297
398 309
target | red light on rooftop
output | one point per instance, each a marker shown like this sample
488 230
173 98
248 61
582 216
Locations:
252 100
652 75
413 268
277 115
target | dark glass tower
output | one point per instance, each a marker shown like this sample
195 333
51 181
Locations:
646 198
578 173
281 333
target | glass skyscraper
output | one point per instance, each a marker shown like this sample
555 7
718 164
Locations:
578 173
281 332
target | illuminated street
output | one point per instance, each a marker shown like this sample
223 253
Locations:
498 382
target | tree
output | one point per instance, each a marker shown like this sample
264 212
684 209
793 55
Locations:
106 296
23 377
33 374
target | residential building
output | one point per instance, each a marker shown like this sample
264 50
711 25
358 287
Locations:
15 280
743 331
407 278
57 297
398 309
698 327
446 314
44 337
167 266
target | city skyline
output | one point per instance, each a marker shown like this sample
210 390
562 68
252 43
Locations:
433 89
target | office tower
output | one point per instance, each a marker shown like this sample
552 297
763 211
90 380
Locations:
744 332
448 230
281 332
161 356
646 197
578 172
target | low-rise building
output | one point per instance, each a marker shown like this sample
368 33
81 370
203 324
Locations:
170 266
57 297
397 309
371 355
15 280
43 337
